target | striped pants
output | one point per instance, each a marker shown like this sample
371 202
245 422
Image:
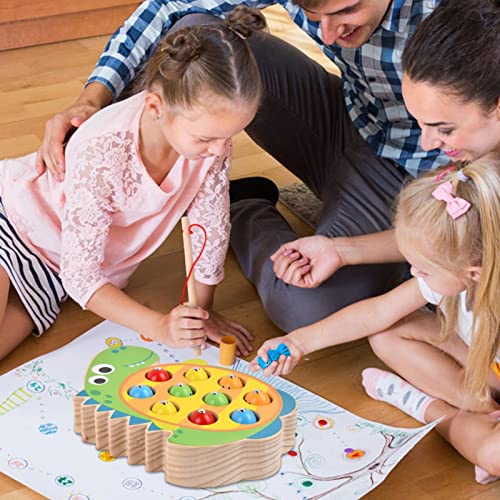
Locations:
39 287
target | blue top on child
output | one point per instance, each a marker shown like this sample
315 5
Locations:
274 355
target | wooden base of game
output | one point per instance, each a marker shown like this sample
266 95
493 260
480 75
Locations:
203 426
188 466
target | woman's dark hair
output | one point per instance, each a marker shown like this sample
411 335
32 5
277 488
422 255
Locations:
211 58
457 48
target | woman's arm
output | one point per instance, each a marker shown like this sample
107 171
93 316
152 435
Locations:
375 248
308 262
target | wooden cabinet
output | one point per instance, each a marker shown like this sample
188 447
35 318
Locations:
34 22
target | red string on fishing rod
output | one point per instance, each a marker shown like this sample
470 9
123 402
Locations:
197 258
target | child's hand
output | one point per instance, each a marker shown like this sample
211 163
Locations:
284 365
183 326
217 326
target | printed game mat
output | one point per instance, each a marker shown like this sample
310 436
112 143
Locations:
331 452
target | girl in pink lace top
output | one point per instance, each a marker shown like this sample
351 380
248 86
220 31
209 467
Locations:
133 170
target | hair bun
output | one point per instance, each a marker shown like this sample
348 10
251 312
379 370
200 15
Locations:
182 45
244 21
180 48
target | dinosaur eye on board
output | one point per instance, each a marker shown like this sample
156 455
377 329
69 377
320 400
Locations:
103 369
98 380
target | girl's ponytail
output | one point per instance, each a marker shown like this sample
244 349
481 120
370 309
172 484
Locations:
486 179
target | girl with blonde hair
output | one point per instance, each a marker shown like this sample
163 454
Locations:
447 226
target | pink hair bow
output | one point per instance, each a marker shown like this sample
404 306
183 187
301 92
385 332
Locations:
455 206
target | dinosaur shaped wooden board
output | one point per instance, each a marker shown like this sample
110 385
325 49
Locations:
202 425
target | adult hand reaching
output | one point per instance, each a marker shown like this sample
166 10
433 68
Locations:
51 153
309 261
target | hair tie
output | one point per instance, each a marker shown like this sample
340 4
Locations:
444 172
462 177
455 206
236 32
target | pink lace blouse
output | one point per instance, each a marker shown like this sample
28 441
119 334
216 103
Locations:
109 215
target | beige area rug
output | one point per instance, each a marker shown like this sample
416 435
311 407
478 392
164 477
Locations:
302 202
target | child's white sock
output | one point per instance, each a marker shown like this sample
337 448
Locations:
388 387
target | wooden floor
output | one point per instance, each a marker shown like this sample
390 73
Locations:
37 82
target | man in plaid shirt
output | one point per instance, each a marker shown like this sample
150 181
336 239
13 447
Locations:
350 139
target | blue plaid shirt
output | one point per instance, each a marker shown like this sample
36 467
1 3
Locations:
371 74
